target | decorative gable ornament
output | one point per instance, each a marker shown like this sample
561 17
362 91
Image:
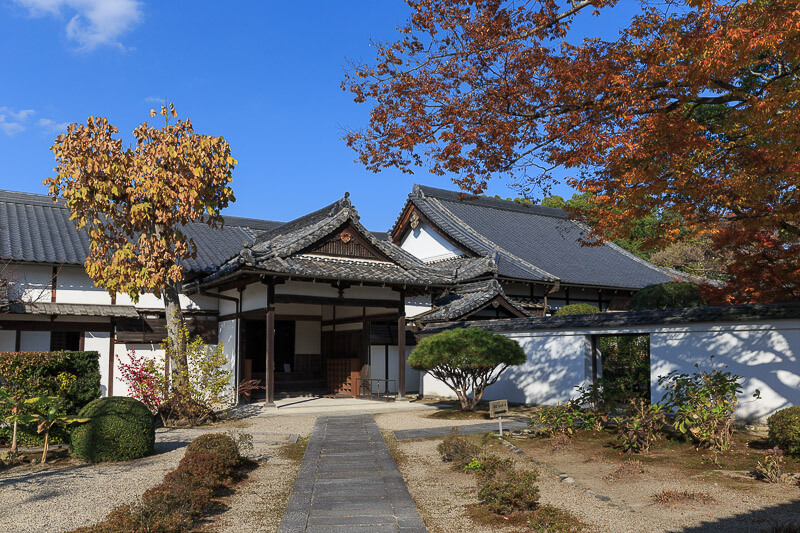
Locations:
345 236
414 220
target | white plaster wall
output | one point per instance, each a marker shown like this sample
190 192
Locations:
227 337
412 376
34 341
8 340
308 337
30 282
556 364
306 289
227 307
152 351
378 293
254 296
764 354
425 243
73 285
98 341
415 305
150 301
377 365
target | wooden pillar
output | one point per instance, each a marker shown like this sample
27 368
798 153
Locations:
270 376
401 356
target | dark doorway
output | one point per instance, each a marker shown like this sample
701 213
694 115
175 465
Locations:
625 363
65 340
284 346
255 346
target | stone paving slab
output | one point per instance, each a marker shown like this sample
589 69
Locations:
349 482
470 429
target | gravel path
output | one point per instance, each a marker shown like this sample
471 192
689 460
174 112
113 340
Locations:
65 496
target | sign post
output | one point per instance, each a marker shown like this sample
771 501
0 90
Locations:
497 409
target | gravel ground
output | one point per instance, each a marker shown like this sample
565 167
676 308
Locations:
441 494
65 496
258 503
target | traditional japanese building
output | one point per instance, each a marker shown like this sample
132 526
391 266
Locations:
318 304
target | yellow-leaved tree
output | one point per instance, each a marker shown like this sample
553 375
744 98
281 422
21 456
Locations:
135 201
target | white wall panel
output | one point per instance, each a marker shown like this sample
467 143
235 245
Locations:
425 243
73 285
30 282
34 341
98 341
8 340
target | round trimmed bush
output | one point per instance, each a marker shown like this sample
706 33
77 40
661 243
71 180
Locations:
784 429
119 429
219 443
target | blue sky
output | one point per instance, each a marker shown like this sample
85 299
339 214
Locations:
263 74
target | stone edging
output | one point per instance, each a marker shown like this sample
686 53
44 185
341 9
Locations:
566 478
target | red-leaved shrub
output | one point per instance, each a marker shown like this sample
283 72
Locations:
173 505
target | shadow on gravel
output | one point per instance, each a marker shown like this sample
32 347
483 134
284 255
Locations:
778 518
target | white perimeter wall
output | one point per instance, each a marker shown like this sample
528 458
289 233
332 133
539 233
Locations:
557 362
764 353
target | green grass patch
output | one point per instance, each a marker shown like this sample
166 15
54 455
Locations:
295 451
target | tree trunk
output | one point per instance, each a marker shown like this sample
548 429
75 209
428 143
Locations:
14 438
176 342
46 442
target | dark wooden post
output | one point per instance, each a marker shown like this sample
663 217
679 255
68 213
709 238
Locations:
270 375
401 356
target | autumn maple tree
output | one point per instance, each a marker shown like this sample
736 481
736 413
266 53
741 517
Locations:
133 202
691 110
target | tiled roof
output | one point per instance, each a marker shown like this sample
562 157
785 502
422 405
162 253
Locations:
731 313
34 228
50 308
532 242
464 300
282 249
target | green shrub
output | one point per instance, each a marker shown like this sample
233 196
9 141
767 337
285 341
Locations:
673 294
72 376
577 309
468 359
555 420
640 426
509 491
487 466
784 429
457 450
220 443
703 403
119 429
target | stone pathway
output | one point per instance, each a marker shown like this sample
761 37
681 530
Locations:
470 429
349 482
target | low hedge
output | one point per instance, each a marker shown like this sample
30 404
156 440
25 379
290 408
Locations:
175 504
119 429
784 429
577 309
72 376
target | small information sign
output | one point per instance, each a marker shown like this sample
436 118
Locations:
498 408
